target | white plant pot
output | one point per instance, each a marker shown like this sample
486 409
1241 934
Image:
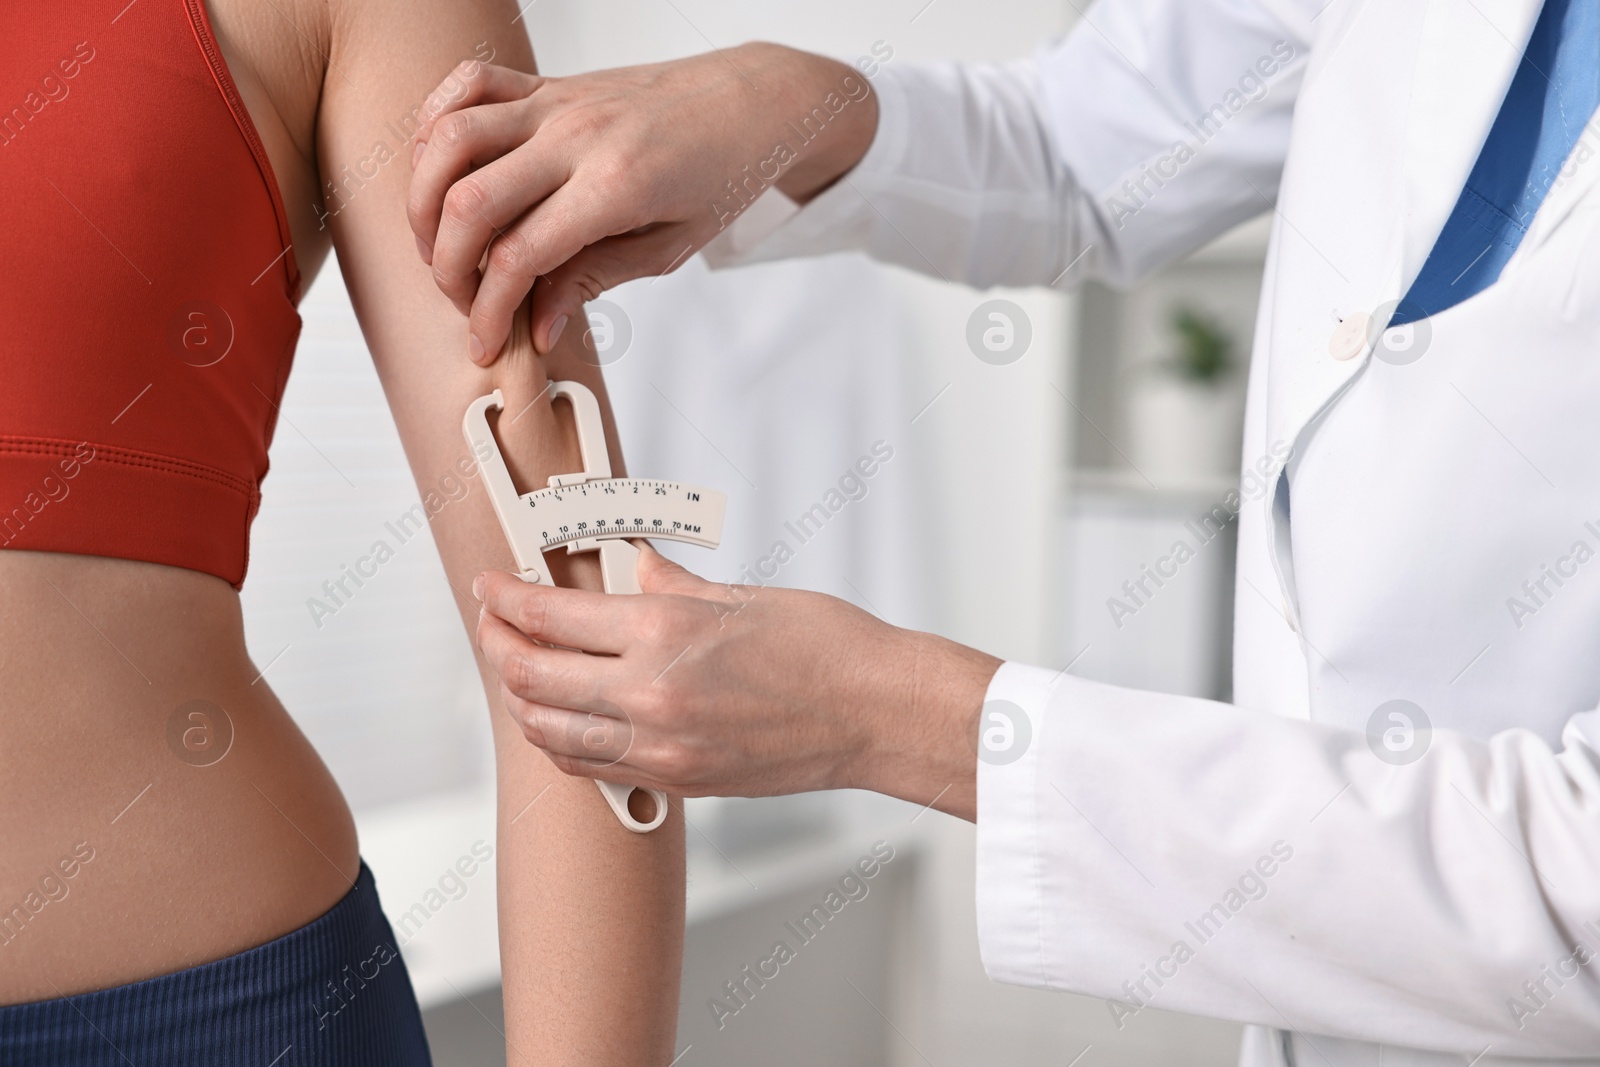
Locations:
1182 432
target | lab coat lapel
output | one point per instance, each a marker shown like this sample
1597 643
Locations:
1387 128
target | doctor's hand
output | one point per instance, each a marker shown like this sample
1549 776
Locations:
730 690
587 181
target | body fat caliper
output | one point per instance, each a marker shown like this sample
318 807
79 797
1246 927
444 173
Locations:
591 511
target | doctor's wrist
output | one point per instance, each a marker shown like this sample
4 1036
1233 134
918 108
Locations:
822 111
926 738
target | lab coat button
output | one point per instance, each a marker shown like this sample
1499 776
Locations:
1349 338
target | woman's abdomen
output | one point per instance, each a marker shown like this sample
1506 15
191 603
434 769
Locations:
159 807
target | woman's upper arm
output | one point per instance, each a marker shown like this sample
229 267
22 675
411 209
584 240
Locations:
591 915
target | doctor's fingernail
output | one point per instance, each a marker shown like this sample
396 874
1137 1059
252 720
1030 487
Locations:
416 153
477 587
425 250
555 332
475 348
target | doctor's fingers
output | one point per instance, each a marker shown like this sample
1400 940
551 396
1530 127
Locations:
572 618
561 677
442 187
591 740
576 215
560 295
472 83
609 745
621 750
479 216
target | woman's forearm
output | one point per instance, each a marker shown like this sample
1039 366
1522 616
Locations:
591 914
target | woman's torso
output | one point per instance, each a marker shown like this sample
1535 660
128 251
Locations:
161 807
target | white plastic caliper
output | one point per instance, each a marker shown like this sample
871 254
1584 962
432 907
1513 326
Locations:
591 512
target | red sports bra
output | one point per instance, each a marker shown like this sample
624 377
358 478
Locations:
147 313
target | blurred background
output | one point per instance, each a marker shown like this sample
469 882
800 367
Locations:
1030 484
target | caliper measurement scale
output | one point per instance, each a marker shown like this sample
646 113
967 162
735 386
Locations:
625 507
590 511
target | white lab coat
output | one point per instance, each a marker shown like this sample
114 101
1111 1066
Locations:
1259 861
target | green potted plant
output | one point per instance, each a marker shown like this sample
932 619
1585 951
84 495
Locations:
1204 353
1186 407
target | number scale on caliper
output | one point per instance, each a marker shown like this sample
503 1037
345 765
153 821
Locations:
627 507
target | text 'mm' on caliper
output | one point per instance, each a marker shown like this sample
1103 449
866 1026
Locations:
591 512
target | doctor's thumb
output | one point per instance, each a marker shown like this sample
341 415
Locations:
560 295
658 574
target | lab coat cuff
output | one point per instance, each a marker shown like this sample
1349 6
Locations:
775 227
1010 891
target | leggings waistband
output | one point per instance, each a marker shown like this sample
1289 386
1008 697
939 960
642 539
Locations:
334 993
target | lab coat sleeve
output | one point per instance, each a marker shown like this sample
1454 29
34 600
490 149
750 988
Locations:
1177 853
1152 127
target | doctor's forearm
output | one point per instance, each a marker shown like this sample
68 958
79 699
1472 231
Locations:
798 85
924 741
963 179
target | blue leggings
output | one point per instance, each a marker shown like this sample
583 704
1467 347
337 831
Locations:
334 993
